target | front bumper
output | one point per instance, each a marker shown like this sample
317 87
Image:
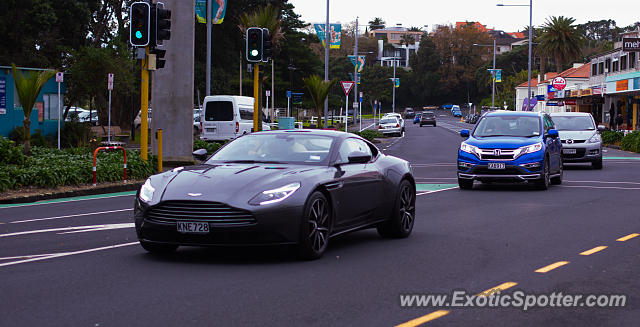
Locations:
276 225
585 152
526 168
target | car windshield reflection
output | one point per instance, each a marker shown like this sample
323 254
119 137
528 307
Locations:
568 123
518 126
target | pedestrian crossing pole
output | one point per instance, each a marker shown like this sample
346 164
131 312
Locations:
144 106
256 94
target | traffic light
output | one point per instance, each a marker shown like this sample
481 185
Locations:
254 44
139 29
159 55
162 23
266 45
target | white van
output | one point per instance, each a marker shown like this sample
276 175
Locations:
226 117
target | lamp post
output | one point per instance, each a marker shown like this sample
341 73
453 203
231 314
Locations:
393 104
530 5
327 40
493 71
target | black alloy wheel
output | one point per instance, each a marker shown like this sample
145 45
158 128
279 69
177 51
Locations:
401 223
544 181
558 179
316 227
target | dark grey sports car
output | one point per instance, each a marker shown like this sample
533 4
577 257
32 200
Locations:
279 187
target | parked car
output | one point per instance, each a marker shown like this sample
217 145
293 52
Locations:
138 120
78 114
581 140
280 187
227 117
390 125
392 114
509 146
409 113
428 118
416 119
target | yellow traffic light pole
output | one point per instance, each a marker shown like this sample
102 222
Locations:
144 106
256 94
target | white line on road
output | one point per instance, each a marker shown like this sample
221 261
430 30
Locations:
88 228
444 189
97 229
64 254
435 177
70 216
26 256
602 182
601 187
367 127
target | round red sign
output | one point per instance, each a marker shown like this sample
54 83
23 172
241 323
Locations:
559 83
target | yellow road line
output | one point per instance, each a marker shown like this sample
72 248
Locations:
594 250
628 237
421 320
498 288
552 266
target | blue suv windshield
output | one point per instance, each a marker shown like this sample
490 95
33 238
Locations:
508 125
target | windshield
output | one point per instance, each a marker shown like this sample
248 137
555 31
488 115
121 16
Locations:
523 126
388 121
275 148
574 123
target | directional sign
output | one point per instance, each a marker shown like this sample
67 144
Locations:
288 94
559 83
347 86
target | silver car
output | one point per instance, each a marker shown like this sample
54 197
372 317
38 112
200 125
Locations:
581 140
390 125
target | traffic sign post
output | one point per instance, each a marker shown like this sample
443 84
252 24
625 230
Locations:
360 110
346 87
559 83
288 102
110 87
59 80
268 94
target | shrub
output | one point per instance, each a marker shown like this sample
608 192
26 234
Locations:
211 147
75 134
611 137
17 135
369 134
10 154
631 142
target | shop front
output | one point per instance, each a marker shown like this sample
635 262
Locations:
622 98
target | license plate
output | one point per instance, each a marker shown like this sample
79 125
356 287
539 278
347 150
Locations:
569 151
496 165
210 130
193 227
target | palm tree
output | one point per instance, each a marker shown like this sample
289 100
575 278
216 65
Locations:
28 86
319 91
376 23
561 40
407 39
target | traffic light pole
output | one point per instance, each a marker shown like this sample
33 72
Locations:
256 95
144 107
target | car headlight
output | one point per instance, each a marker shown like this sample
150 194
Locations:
146 192
274 195
529 149
468 148
595 138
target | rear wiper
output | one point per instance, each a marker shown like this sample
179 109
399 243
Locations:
251 161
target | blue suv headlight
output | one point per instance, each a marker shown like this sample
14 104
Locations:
528 149
468 148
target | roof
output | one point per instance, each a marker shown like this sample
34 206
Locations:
580 72
517 35
477 25
513 113
534 83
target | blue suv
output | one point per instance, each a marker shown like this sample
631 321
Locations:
507 146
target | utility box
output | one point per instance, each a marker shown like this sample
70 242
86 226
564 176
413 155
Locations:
286 123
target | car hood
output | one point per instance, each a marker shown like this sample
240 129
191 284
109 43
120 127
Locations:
229 182
576 135
501 142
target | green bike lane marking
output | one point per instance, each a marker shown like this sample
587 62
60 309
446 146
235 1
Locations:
71 199
621 158
433 187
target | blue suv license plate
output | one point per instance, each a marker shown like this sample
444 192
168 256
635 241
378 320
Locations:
496 165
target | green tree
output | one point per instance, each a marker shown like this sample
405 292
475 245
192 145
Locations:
376 24
319 91
561 39
28 86
407 39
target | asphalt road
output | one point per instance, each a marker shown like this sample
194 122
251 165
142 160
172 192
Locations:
76 262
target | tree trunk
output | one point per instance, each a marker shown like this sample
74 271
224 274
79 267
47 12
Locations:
543 64
558 65
26 123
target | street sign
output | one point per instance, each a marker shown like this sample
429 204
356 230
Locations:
355 105
559 83
297 98
347 86
288 94
110 81
59 77
267 93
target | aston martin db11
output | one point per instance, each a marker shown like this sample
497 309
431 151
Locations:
297 187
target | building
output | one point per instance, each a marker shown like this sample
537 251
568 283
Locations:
44 116
550 100
398 49
504 41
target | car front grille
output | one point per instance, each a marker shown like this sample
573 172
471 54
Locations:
497 154
217 214
574 141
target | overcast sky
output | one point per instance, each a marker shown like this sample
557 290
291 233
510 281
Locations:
431 12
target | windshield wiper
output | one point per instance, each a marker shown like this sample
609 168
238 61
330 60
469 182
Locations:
251 161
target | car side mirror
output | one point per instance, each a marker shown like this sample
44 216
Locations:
200 154
464 133
601 128
359 157
553 133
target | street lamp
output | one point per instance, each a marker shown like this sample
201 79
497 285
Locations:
530 5
493 71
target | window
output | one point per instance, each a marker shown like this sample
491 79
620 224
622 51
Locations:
601 67
632 60
351 145
50 106
219 111
623 62
246 112
594 69
616 66
607 65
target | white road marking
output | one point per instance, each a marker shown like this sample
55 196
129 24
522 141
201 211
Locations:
444 189
26 256
601 187
70 216
433 165
97 229
93 227
603 182
367 127
64 254
435 177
